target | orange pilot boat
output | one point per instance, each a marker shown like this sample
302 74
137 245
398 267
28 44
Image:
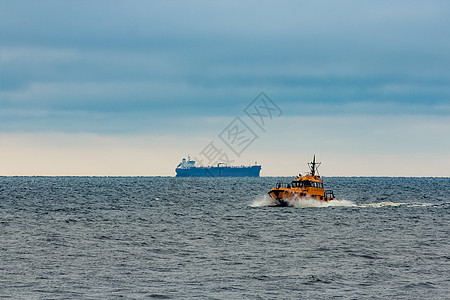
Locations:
307 186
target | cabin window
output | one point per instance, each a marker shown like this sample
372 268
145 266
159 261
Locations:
306 183
316 184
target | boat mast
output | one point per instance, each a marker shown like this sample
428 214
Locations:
313 166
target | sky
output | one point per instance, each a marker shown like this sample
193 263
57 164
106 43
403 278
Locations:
129 88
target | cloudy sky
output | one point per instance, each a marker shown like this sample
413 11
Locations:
130 87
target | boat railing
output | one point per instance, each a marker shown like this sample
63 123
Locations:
329 194
281 184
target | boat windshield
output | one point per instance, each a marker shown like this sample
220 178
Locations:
306 183
317 184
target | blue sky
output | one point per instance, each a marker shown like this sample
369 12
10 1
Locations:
149 81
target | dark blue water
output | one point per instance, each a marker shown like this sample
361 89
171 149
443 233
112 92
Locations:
215 238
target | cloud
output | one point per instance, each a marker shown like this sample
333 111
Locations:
188 68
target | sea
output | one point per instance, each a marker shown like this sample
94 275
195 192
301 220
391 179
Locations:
220 238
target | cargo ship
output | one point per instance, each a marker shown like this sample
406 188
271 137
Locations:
187 168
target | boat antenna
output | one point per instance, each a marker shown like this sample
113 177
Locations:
313 166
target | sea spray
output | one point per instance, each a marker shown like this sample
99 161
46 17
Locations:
305 202
382 204
300 202
265 200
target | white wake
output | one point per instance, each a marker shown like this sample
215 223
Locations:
302 202
305 202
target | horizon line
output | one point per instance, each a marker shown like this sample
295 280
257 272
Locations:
168 176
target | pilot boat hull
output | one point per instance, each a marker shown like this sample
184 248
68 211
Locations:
284 197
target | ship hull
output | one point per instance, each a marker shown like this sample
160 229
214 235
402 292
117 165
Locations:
252 171
284 196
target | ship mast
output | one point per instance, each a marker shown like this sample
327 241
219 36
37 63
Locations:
313 166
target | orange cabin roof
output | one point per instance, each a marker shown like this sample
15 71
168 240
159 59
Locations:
308 177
